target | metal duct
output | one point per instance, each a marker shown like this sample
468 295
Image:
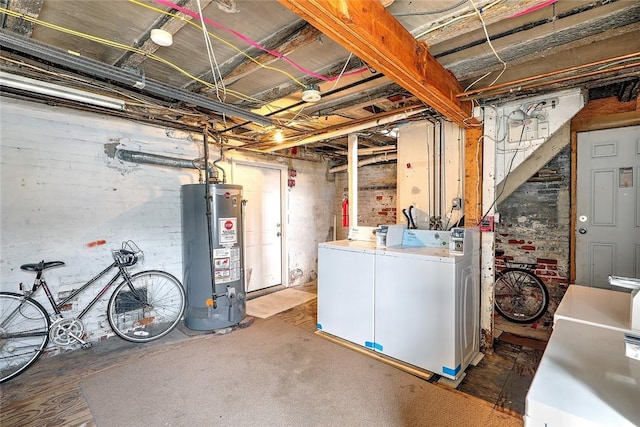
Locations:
158 160
368 161
128 79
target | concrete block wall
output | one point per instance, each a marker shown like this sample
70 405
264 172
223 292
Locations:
535 227
65 196
376 196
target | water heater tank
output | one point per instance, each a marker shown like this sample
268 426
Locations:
213 277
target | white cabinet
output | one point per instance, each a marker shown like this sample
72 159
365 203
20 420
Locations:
417 305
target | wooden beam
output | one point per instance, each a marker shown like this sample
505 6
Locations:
472 175
368 30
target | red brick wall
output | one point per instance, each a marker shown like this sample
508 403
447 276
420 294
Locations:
534 228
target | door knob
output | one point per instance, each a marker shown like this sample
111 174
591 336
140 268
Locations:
278 234
582 230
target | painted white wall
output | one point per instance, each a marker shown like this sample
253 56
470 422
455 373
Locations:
60 191
416 172
508 120
309 219
503 151
430 171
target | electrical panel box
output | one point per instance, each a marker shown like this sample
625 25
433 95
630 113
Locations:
487 224
530 129
543 129
516 131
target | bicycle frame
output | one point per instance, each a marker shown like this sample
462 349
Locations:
41 282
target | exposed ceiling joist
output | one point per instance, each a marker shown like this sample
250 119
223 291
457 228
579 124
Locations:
301 38
368 30
124 78
170 24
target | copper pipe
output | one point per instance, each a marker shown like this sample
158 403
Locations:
564 79
552 73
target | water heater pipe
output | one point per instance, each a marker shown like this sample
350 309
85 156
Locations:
208 203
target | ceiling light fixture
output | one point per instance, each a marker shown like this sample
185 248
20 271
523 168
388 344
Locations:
279 137
57 91
161 37
311 93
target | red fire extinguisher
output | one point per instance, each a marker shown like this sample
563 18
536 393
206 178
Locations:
345 212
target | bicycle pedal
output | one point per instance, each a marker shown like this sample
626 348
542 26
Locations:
86 345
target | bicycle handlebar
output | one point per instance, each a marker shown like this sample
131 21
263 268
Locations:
128 255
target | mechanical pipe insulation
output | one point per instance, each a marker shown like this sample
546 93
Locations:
368 161
158 160
341 131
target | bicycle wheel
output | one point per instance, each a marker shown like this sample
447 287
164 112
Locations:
24 333
520 296
146 308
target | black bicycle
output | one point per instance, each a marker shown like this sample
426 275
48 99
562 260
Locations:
143 307
519 295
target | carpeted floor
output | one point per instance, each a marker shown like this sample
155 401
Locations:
274 374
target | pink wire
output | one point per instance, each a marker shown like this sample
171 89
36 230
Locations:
534 8
255 44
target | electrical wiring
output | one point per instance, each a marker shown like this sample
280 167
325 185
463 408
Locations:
249 57
486 33
341 72
122 47
534 8
212 58
432 12
506 176
455 19
254 43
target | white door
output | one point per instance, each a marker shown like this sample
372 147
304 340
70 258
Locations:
608 206
262 224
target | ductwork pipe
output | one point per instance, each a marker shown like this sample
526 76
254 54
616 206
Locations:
158 160
368 161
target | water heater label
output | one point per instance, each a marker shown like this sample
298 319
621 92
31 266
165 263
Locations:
228 231
226 263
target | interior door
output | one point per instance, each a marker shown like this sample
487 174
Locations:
262 224
608 206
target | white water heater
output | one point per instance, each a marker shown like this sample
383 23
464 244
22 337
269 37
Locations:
212 256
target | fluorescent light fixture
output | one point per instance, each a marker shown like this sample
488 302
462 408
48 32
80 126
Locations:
57 91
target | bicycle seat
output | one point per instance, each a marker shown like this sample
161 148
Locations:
41 266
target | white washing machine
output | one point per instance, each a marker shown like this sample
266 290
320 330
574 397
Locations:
419 305
345 289
426 308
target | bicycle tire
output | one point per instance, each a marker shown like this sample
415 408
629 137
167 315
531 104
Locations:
148 307
24 333
520 296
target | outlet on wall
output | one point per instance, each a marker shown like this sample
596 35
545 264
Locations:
456 204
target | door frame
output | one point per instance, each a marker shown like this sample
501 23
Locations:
284 219
586 121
